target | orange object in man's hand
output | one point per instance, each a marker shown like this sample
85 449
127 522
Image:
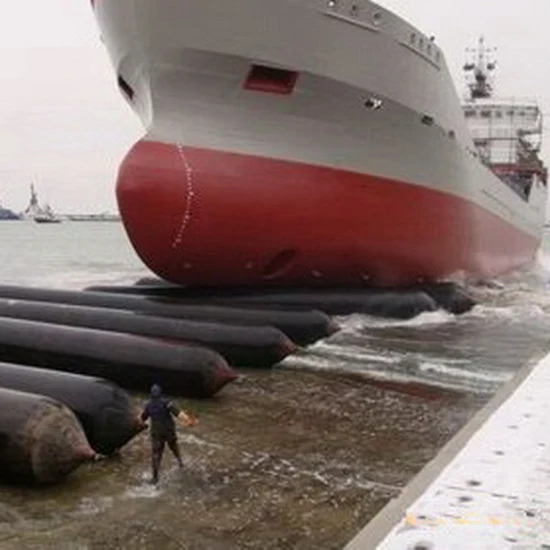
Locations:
191 421
187 420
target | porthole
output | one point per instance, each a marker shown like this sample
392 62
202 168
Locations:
428 120
377 18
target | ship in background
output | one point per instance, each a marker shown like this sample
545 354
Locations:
301 142
47 215
38 213
33 208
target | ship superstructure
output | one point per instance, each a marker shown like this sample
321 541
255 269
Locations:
300 142
33 208
507 133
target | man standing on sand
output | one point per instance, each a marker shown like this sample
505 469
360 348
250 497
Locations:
163 428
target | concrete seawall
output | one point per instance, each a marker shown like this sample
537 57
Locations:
488 488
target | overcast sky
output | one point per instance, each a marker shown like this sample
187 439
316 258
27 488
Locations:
64 126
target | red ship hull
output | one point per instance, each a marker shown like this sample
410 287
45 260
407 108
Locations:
213 218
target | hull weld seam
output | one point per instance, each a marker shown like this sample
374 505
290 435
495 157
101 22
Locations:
186 219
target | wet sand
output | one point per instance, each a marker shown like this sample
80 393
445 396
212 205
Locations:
283 459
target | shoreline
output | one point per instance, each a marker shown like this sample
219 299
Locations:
280 459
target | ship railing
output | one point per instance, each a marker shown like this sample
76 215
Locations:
503 101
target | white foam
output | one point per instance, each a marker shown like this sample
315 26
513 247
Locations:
444 372
452 372
429 318
91 506
143 492
531 308
354 353
146 490
398 373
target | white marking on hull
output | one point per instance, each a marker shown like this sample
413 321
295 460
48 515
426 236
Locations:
186 218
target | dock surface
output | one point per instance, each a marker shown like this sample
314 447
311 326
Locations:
489 487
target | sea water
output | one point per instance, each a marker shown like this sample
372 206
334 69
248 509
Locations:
475 352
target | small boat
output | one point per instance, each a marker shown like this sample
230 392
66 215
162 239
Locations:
47 215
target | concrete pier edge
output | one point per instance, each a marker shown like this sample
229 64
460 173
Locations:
374 533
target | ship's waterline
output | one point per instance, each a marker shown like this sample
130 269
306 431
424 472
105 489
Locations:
225 218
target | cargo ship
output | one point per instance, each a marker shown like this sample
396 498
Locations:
315 142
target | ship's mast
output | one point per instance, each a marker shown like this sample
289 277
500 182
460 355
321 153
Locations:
480 67
33 207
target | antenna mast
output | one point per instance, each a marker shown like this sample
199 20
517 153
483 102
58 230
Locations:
480 67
